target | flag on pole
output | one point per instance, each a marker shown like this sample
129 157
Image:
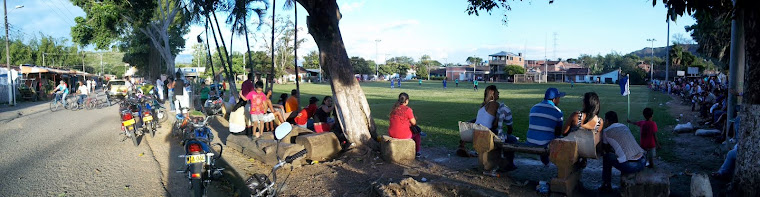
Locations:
624 86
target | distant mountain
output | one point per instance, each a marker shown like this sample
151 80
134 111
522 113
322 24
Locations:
661 52
184 59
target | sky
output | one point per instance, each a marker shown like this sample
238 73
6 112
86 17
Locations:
439 28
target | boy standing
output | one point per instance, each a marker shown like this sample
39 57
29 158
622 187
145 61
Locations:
648 137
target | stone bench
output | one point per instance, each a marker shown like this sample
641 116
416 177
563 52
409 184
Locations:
648 182
264 150
320 146
397 150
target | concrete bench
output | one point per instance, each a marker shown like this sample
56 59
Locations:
648 182
397 150
320 146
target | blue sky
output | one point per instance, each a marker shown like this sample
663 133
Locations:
441 29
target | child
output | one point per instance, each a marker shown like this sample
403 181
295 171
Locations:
648 137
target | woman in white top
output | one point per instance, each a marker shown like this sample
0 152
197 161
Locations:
493 114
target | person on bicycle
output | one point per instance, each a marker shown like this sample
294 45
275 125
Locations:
61 90
82 92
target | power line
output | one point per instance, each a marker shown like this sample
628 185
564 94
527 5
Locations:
67 9
59 14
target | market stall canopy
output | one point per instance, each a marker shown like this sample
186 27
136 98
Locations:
31 69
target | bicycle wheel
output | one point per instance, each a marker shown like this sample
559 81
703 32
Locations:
53 106
89 104
73 104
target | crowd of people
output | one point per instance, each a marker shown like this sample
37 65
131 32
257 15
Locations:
709 97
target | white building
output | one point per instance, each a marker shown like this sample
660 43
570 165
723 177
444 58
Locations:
609 77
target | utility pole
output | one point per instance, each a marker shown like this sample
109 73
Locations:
377 71
11 98
651 69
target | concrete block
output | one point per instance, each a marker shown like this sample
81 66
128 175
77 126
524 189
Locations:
285 149
564 154
267 136
297 131
567 184
482 141
648 182
320 146
397 150
489 160
700 185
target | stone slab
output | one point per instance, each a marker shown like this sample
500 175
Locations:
320 146
397 150
648 182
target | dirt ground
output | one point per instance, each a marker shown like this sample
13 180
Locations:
441 173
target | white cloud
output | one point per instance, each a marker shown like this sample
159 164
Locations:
351 7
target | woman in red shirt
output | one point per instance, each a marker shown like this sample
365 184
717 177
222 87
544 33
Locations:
401 121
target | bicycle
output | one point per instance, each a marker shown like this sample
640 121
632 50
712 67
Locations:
91 103
73 103
58 99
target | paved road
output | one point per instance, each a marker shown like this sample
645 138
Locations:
80 153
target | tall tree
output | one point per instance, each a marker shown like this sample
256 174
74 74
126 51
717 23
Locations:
239 13
311 61
106 21
353 110
474 61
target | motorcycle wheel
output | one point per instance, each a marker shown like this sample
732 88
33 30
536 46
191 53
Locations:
152 129
134 137
197 186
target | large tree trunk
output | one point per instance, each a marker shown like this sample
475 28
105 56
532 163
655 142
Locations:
353 110
747 174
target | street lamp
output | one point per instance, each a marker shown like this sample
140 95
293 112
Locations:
11 92
651 69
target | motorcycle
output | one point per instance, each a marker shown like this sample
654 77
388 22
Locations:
199 157
128 121
260 184
148 124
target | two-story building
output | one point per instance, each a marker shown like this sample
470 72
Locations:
499 61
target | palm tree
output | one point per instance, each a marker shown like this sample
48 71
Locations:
239 18
204 9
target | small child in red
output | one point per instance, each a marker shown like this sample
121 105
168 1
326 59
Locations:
648 137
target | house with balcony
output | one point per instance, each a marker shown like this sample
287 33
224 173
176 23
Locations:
499 61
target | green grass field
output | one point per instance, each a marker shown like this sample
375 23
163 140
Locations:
438 110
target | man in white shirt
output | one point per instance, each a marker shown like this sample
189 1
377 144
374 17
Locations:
83 92
626 155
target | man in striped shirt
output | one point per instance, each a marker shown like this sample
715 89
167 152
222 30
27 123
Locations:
545 121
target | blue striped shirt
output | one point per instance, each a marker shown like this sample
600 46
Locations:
544 118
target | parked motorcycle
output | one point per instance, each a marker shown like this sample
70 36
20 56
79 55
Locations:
128 122
260 184
199 157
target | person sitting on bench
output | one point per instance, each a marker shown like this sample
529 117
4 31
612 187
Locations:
493 114
624 153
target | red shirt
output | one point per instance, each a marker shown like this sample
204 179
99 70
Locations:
399 123
648 128
311 109
302 118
